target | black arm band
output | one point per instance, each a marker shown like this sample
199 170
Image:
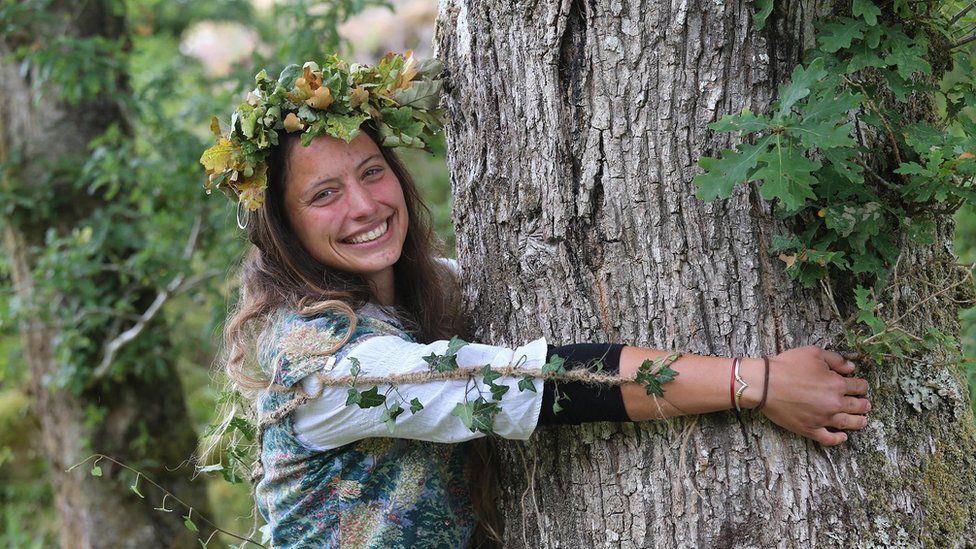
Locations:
581 402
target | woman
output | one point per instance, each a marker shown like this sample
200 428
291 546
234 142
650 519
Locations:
344 282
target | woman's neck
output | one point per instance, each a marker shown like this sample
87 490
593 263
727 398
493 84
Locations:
383 286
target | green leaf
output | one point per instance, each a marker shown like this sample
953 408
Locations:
866 10
653 381
478 415
211 468
455 345
788 176
371 398
554 366
353 397
421 94
746 121
840 35
415 406
390 414
489 374
527 383
763 9
822 134
802 81
244 426
465 412
723 174
189 524
498 391
356 367
96 471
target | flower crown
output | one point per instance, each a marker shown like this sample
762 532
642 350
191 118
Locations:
398 96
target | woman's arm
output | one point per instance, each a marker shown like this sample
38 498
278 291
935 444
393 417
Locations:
807 391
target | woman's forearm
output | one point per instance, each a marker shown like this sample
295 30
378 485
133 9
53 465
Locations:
701 386
808 390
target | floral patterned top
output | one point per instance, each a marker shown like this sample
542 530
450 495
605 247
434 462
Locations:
375 492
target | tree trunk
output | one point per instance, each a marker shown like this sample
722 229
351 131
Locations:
140 419
575 129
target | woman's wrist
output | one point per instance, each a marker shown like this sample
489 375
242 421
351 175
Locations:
752 370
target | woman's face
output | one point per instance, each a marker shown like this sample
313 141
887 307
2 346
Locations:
345 204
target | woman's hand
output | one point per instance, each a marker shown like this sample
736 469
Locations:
808 394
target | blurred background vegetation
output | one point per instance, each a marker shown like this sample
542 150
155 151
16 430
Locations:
184 62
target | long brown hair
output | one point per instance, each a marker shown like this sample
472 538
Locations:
278 273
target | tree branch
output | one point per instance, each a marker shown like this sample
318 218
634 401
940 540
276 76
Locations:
113 346
964 41
962 13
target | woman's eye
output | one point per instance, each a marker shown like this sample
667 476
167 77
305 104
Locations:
372 171
323 195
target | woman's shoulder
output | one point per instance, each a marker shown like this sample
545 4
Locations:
296 345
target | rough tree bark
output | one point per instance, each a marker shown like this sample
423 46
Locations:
93 512
575 129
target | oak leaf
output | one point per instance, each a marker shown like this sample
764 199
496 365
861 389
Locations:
293 124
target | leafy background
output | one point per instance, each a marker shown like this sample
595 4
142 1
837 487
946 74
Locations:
187 61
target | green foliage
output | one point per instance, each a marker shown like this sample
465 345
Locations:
653 374
850 206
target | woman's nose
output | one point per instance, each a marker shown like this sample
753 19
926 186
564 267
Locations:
361 201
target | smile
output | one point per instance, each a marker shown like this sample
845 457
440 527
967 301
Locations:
370 236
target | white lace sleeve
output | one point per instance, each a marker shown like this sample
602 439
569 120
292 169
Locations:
326 422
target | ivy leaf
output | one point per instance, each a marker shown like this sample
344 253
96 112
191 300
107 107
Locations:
390 415
455 345
802 81
498 391
489 374
840 35
415 406
96 471
245 427
370 398
356 367
653 381
763 9
554 366
788 176
353 397
866 10
734 167
527 383
478 415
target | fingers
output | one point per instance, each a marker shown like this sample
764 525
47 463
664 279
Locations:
827 438
855 386
853 405
848 422
838 363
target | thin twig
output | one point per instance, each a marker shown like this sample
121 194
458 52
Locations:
113 346
964 41
962 13
99 457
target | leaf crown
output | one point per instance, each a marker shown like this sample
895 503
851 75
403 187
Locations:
398 96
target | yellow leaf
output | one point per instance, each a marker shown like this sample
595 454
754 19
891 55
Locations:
788 259
408 71
313 79
251 189
822 213
293 124
358 96
304 89
220 157
215 127
966 155
321 98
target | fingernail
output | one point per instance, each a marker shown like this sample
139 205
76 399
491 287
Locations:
869 406
851 364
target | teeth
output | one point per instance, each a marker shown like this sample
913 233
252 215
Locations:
371 235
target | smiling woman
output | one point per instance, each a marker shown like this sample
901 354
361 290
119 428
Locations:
345 279
346 206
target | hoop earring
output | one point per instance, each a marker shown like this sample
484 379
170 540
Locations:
247 217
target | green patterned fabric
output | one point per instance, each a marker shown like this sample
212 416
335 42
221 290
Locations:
376 492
